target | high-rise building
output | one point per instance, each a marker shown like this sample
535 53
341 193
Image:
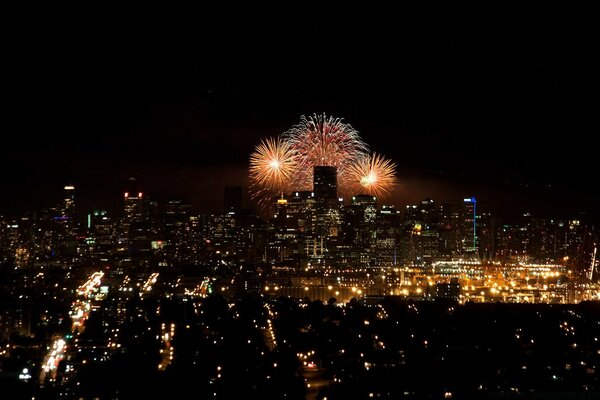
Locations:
232 198
449 229
100 228
486 238
138 226
326 221
325 182
388 229
368 205
282 221
133 210
177 213
357 231
366 213
299 209
469 225
69 202
176 229
421 230
68 209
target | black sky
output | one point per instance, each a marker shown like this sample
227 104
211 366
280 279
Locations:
502 104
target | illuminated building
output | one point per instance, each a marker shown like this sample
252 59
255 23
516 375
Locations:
368 237
133 210
368 205
68 209
281 217
366 210
486 238
326 220
288 238
430 233
449 223
176 228
139 226
469 225
101 230
63 230
299 210
421 244
387 236
9 238
176 214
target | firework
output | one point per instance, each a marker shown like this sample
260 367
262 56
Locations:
280 165
373 175
272 166
319 140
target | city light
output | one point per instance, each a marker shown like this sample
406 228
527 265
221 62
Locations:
300 201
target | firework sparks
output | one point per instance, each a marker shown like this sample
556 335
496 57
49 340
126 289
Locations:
373 175
280 165
272 165
324 141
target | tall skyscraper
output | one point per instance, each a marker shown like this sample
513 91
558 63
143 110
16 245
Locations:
133 207
176 228
232 198
325 182
138 226
66 211
176 214
367 205
357 226
326 220
69 202
469 228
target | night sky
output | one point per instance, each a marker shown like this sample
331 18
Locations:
500 104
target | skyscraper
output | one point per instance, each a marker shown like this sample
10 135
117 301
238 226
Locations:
469 225
175 223
326 220
358 227
325 182
133 207
66 210
367 206
69 202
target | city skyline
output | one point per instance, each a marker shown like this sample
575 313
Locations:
320 298
501 107
505 205
301 200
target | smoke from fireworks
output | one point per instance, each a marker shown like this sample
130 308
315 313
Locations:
373 175
272 165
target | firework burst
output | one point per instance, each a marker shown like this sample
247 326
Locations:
280 165
373 175
319 140
272 166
